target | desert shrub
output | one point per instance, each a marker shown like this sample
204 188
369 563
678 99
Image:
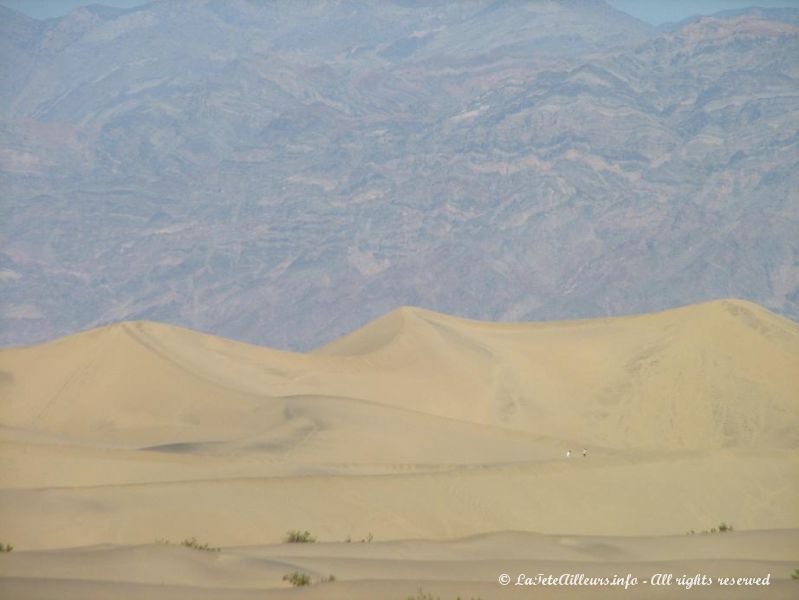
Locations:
795 574
722 528
328 579
189 543
297 579
6 547
299 537
193 543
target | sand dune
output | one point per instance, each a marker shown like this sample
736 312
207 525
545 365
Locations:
420 429
718 374
625 496
468 567
711 369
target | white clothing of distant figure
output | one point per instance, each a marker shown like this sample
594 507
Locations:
568 453
585 452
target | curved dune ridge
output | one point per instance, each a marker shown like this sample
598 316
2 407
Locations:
417 426
716 375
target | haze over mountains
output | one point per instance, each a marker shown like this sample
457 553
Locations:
283 172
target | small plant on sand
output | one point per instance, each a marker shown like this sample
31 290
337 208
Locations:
193 543
297 579
722 528
299 537
328 579
795 574
6 547
189 543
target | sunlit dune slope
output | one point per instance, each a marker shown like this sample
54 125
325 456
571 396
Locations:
626 495
723 373
719 374
418 425
395 570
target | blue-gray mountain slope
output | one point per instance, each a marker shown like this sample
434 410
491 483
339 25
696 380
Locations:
284 172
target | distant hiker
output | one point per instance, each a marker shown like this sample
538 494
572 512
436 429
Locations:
568 453
585 452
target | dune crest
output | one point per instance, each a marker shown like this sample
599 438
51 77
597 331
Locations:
418 426
715 375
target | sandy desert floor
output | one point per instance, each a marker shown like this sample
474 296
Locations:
440 442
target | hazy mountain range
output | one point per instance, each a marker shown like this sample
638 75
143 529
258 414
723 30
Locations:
283 172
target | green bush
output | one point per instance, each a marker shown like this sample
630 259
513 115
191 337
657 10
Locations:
6 547
795 574
193 543
722 528
190 543
299 537
297 579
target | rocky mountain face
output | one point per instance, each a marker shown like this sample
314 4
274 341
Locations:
283 172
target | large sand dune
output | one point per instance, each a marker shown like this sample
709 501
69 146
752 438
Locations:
419 426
